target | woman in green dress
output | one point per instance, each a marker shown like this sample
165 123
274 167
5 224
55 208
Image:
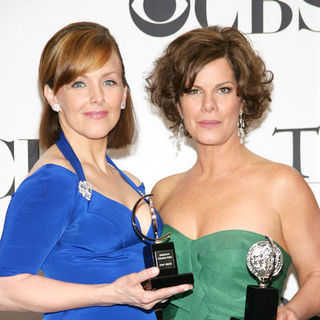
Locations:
211 84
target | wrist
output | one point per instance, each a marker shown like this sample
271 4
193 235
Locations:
294 311
105 295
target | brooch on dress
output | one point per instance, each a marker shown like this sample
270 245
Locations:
85 189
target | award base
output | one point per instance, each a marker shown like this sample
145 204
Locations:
261 303
169 281
162 255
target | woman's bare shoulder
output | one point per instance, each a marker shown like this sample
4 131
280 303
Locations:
279 173
52 156
273 171
284 183
168 182
165 187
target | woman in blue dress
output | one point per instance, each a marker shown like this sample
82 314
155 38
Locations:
71 217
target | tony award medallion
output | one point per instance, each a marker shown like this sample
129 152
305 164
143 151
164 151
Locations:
264 260
158 254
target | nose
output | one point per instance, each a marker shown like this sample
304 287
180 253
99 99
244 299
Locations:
208 103
96 95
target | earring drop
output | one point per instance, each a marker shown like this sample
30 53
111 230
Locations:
241 126
180 134
122 106
56 107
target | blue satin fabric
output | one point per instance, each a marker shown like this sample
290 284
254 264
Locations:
50 226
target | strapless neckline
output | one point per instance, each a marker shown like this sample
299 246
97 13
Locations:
219 233
218 263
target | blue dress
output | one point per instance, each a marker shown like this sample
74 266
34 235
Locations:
51 226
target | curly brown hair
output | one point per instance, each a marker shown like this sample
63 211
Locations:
175 71
76 49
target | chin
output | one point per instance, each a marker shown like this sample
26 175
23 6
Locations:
96 135
211 141
208 140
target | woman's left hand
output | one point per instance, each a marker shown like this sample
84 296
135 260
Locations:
285 313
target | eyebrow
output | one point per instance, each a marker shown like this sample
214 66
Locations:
218 84
225 82
102 76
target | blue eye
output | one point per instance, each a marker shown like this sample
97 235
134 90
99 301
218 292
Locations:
109 83
78 84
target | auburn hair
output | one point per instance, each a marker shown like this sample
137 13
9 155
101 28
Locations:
75 50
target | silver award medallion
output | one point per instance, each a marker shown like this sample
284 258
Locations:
264 260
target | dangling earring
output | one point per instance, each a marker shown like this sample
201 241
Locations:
180 134
56 107
241 126
122 106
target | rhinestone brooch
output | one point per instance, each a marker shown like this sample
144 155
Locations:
85 189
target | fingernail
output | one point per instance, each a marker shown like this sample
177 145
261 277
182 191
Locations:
188 288
155 270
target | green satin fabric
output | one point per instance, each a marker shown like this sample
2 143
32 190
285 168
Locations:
218 263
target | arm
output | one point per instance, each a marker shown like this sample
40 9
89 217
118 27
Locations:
31 230
300 220
27 292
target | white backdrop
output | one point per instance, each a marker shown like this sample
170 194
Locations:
286 33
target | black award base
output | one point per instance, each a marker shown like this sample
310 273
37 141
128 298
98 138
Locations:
172 280
162 255
261 303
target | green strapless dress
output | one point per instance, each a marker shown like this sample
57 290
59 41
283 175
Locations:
218 263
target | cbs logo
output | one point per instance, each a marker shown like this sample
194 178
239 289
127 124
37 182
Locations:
160 18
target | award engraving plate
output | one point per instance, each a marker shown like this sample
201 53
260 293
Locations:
165 259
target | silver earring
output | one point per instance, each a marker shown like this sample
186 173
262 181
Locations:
56 107
122 106
241 126
180 134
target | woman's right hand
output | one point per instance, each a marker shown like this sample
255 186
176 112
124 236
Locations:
28 292
129 290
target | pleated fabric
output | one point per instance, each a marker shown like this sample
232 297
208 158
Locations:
221 276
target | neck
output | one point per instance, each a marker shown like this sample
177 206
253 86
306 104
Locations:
218 160
88 151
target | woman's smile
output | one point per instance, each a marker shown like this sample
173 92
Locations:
209 123
96 115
